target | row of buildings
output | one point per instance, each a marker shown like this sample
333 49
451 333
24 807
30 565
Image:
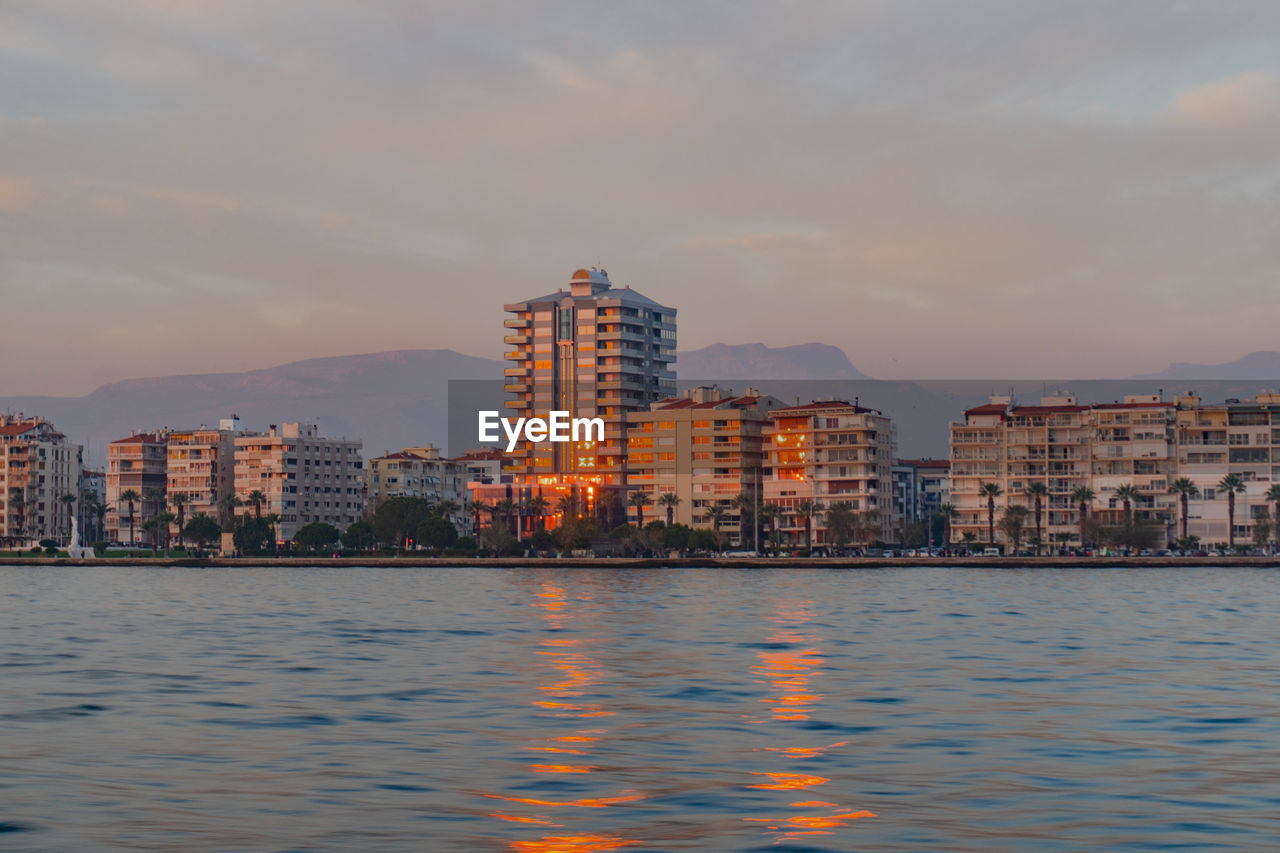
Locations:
709 458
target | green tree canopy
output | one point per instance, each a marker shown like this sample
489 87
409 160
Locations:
397 519
317 536
436 532
201 529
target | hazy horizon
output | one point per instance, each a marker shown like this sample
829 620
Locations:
997 188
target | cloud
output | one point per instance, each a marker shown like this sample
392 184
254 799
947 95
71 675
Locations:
1241 101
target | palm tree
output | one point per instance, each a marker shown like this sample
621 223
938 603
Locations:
669 500
948 512
1037 491
746 503
716 515
163 520
507 509
1185 489
272 519
449 508
129 496
180 501
1127 494
538 506
639 500
67 500
1083 495
1231 484
807 509
227 508
149 527
567 507
1012 524
770 513
990 491
100 511
256 499
1273 495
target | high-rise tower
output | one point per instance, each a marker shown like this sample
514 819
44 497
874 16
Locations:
593 350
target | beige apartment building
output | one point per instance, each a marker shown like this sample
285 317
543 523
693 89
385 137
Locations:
594 350
1144 442
829 451
419 472
201 465
304 477
38 467
705 448
139 464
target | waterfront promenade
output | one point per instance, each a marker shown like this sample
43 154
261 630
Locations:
668 562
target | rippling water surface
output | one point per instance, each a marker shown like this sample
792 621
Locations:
574 710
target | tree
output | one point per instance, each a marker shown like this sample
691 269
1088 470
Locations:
149 528
1261 531
639 500
201 529
157 499
567 506
271 519
840 522
769 514
914 534
669 500
675 537
19 504
1037 491
508 509
129 497
397 519
577 533
100 511
164 520
250 534
537 506
1273 495
1185 489
1127 495
1231 484
746 504
1083 496
806 509
1012 523
180 501
256 499
990 491
358 536
227 508
316 536
438 532
948 512
716 515
67 501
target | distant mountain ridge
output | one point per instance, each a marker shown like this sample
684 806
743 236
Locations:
1261 365
389 399
758 362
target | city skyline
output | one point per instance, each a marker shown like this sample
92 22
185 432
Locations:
227 186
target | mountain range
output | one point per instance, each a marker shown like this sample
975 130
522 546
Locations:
400 398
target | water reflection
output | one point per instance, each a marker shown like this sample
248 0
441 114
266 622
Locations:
790 665
568 675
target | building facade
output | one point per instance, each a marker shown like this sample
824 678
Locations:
39 467
137 466
201 466
829 451
706 448
302 476
594 350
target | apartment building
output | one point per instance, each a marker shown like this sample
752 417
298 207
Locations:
706 448
38 467
419 472
1240 437
829 451
594 350
303 476
1065 446
201 466
920 488
138 465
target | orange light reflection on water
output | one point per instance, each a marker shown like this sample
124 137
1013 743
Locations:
571 673
790 675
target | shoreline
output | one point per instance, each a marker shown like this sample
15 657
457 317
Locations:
658 562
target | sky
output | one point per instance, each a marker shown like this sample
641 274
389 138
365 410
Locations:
943 190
